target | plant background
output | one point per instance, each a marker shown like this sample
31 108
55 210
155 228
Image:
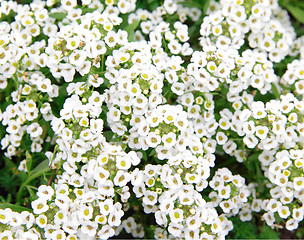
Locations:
18 189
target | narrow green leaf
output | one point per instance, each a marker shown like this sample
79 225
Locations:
275 91
32 192
254 157
191 4
58 15
24 176
296 12
131 29
108 135
144 157
28 161
152 153
35 173
14 207
206 5
39 170
250 163
9 163
117 139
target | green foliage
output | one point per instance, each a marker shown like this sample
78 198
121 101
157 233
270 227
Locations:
58 15
130 30
9 179
42 168
251 230
296 8
14 207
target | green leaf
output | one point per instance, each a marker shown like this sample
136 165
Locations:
28 161
152 153
267 233
117 139
206 5
14 207
144 157
131 29
24 176
250 163
9 163
32 192
275 91
35 173
58 15
296 12
191 4
108 135
39 170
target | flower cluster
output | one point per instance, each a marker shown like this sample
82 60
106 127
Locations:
267 25
231 193
159 123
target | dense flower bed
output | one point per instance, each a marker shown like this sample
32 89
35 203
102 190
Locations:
163 120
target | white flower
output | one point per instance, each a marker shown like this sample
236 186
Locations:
113 115
16 219
193 223
68 5
153 139
221 138
57 125
175 229
28 219
224 192
261 132
62 201
60 217
258 110
174 181
106 232
58 234
41 221
114 218
292 224
224 123
129 224
226 205
101 219
216 183
89 228
150 197
5 215
166 205
250 140
121 178
284 212
77 57
45 192
106 207
278 127
111 39
79 146
101 175
40 206
176 215
169 139
34 130
269 218
186 198
298 183
134 158
273 205
161 218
